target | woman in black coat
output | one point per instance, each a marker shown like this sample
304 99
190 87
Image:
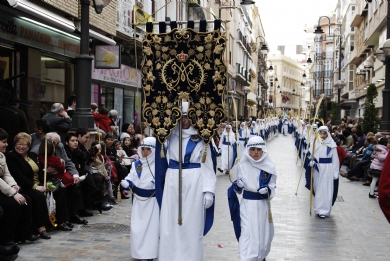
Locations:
22 164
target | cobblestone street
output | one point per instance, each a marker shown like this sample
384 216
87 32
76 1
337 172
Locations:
356 229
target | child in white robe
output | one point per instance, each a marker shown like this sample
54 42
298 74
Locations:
256 177
144 226
326 169
228 140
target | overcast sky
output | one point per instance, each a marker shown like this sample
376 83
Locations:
284 20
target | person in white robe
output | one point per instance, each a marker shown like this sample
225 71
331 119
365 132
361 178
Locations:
256 178
227 143
144 226
243 137
253 130
185 241
326 169
285 127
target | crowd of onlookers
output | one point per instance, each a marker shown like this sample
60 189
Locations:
55 177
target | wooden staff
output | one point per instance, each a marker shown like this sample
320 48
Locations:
180 218
45 167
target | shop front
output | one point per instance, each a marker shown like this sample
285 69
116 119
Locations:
118 89
44 54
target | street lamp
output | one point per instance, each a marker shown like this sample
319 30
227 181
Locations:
340 84
83 69
246 90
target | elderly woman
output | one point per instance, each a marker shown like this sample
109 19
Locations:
24 166
115 122
16 222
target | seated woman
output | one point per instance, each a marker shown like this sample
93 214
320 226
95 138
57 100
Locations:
66 178
23 166
16 222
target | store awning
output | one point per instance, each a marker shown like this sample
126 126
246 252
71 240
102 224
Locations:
349 103
53 19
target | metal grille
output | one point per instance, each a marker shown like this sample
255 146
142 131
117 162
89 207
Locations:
105 228
339 199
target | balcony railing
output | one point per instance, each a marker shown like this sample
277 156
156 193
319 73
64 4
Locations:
245 41
327 92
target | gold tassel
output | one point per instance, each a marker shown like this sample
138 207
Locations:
162 154
204 154
118 194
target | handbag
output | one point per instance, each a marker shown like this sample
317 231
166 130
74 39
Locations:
51 207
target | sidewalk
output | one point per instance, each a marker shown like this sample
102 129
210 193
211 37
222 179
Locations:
356 229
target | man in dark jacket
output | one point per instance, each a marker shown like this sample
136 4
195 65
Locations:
59 120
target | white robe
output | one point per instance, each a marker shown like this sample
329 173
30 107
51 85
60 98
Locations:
245 134
227 150
185 242
144 226
323 180
285 128
256 232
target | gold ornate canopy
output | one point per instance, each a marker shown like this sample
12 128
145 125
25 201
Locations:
184 65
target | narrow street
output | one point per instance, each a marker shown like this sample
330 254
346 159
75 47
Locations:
356 229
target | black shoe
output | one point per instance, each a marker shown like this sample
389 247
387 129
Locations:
9 250
220 170
227 172
112 201
8 257
44 235
372 196
85 213
78 220
68 224
32 238
63 227
103 207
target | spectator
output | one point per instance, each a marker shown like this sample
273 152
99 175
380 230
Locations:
71 105
115 122
127 131
140 131
94 188
340 152
73 192
379 156
102 120
24 167
59 194
356 171
348 140
59 120
16 221
40 129
94 108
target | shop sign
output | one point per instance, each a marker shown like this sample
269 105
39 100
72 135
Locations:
108 57
26 32
125 76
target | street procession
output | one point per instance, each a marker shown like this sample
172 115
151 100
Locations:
180 131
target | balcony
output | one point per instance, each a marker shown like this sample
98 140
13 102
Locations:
327 92
323 74
244 41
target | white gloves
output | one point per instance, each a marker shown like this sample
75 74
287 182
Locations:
263 191
208 199
124 184
240 184
312 163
